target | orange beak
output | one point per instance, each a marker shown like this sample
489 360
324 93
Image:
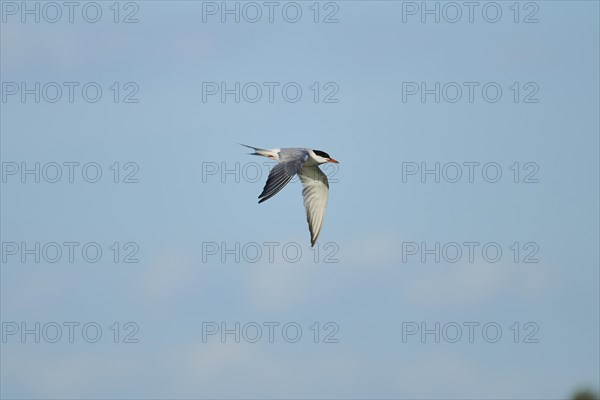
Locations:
333 161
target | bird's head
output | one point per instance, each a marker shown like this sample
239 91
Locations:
322 157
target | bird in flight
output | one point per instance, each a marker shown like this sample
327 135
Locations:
305 163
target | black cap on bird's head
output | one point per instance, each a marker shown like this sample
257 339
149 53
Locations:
324 155
321 153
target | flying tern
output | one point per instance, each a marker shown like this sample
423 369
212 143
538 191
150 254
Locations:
305 163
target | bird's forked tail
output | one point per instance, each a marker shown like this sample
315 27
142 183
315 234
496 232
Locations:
262 152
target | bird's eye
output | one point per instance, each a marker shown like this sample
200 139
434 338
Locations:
321 154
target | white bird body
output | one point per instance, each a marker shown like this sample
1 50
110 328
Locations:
305 163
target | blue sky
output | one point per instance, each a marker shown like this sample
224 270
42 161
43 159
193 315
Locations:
176 211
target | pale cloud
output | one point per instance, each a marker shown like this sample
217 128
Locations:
460 284
279 286
446 283
168 274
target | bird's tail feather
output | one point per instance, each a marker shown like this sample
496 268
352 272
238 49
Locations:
260 152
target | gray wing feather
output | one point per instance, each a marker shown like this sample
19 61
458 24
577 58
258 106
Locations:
289 165
316 193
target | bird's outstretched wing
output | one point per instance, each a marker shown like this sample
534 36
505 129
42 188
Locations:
316 193
282 173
